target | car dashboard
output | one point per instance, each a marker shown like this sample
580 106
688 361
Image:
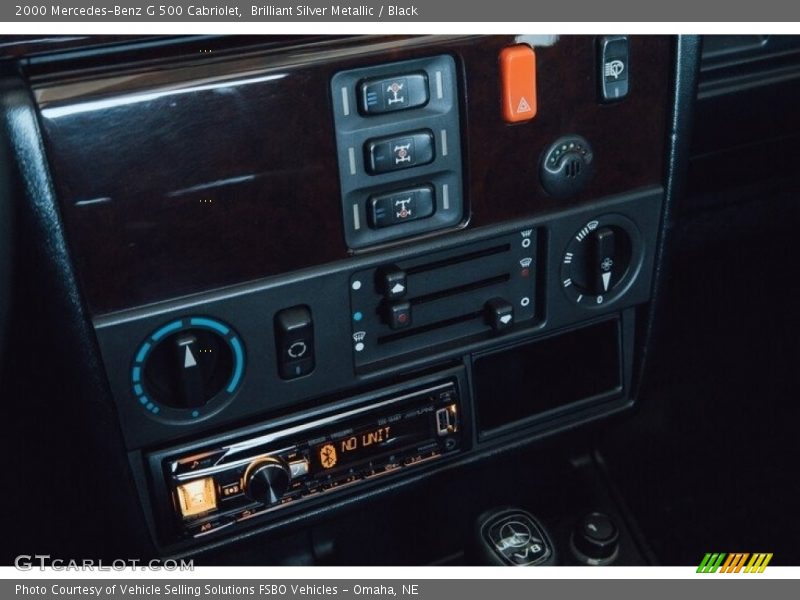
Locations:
288 291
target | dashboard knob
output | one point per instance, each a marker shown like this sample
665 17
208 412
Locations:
188 368
567 166
266 480
598 260
596 539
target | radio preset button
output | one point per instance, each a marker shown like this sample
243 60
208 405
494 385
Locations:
232 489
298 468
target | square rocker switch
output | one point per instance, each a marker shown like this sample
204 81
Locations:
294 340
395 208
614 68
412 149
378 96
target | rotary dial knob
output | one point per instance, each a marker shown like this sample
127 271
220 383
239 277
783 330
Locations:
266 480
600 261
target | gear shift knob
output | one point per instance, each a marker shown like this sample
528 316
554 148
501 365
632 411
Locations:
512 536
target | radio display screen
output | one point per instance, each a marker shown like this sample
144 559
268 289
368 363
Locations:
368 443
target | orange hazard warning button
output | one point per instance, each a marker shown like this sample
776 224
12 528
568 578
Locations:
518 83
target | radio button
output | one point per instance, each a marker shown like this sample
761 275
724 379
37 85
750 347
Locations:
210 527
230 490
187 465
298 468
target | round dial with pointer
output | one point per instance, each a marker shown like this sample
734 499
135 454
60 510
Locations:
266 480
599 262
187 369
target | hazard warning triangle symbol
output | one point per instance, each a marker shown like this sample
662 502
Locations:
523 106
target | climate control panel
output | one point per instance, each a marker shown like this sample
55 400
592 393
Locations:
213 359
474 291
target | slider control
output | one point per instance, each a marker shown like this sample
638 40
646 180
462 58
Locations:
499 314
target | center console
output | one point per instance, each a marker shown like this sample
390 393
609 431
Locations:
318 267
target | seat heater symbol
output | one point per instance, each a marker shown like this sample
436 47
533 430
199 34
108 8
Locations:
394 89
614 68
402 209
402 153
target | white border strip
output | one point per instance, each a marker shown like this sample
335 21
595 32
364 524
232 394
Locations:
419 573
345 102
351 154
439 88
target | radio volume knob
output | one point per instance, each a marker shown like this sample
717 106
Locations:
266 480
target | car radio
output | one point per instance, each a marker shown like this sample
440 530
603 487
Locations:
213 487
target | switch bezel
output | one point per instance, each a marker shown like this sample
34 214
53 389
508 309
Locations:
354 130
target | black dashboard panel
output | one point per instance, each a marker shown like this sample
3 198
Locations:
155 166
243 291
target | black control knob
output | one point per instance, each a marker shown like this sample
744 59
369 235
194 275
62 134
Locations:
267 480
188 368
595 540
567 166
598 261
